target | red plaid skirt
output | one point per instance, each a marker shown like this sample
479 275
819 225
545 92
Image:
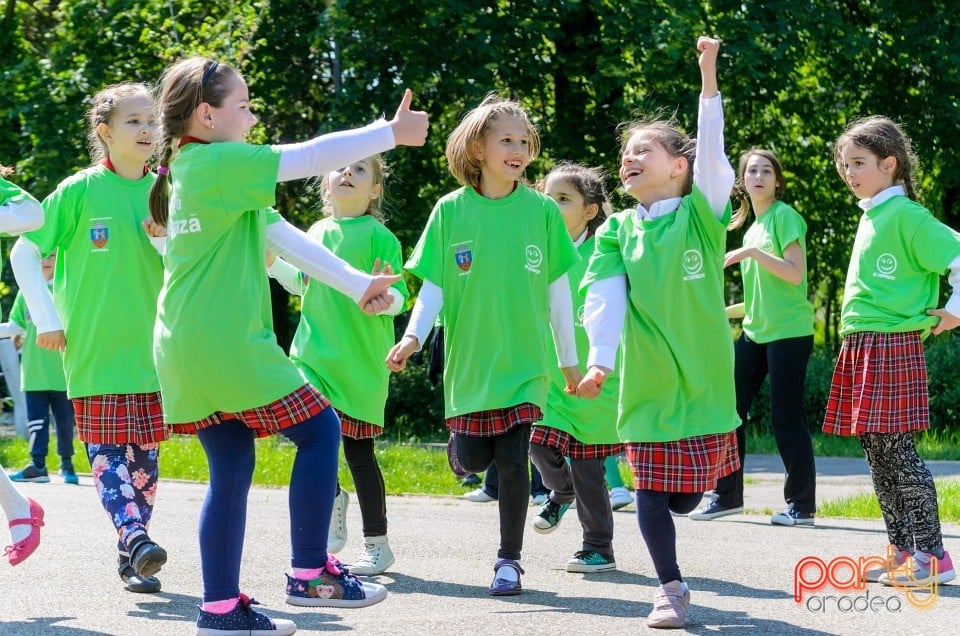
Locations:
120 418
357 429
495 421
879 385
693 464
288 411
569 446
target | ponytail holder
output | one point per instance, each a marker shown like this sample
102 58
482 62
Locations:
163 170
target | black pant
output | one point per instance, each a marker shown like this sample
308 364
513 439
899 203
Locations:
491 482
510 452
785 362
368 480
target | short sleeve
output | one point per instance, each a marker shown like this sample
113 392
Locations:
606 261
935 244
789 227
12 193
426 260
271 216
61 211
560 248
18 311
246 176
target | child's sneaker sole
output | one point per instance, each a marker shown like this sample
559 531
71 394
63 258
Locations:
284 628
583 568
374 594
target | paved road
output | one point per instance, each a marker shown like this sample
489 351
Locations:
740 570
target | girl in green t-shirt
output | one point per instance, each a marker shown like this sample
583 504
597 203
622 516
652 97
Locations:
106 283
493 257
777 337
222 374
19 212
879 388
333 355
656 276
583 431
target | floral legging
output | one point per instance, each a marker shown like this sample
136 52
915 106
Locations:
126 479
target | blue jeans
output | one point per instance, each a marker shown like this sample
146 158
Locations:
39 404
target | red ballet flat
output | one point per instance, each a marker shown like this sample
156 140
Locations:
22 549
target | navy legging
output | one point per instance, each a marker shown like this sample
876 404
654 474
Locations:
659 533
230 455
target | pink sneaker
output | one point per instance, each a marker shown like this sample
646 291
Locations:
893 558
920 572
670 606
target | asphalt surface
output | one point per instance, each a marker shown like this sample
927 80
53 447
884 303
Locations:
740 570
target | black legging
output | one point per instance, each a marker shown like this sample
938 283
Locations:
510 452
659 533
785 362
368 480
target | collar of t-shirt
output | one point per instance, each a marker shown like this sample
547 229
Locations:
583 237
880 197
187 139
658 209
109 166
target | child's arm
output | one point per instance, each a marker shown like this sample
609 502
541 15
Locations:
10 329
604 312
19 216
397 301
789 268
736 311
328 152
316 261
422 318
156 233
287 275
950 314
25 259
712 171
564 340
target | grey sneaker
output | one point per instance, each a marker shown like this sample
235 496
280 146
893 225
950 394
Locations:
31 473
337 534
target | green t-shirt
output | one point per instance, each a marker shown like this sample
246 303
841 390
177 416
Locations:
676 352
589 421
214 342
40 369
894 274
775 309
106 281
340 349
494 260
12 193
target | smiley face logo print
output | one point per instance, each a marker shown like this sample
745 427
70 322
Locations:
693 265
533 257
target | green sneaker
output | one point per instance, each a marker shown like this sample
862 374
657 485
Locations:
587 561
549 517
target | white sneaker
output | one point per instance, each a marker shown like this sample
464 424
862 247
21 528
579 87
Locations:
670 606
479 495
620 497
337 534
375 558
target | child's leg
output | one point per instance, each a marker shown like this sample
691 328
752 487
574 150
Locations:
919 495
63 416
555 472
143 465
510 451
223 517
118 495
593 504
787 362
313 483
659 533
612 475
38 425
15 506
879 450
368 480
475 453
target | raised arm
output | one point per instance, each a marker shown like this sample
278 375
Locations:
712 172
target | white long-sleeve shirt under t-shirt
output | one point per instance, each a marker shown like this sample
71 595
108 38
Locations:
605 307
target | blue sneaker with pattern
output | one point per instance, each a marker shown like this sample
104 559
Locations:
243 620
335 587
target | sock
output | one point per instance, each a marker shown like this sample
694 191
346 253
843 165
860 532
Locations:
15 506
508 574
307 574
220 607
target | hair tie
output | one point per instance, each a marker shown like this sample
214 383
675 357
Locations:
163 170
207 73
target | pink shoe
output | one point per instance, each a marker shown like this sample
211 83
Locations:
670 606
893 558
22 549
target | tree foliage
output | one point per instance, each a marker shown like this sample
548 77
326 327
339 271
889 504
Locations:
792 74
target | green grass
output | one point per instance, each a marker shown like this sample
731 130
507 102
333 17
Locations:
930 445
865 506
422 470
